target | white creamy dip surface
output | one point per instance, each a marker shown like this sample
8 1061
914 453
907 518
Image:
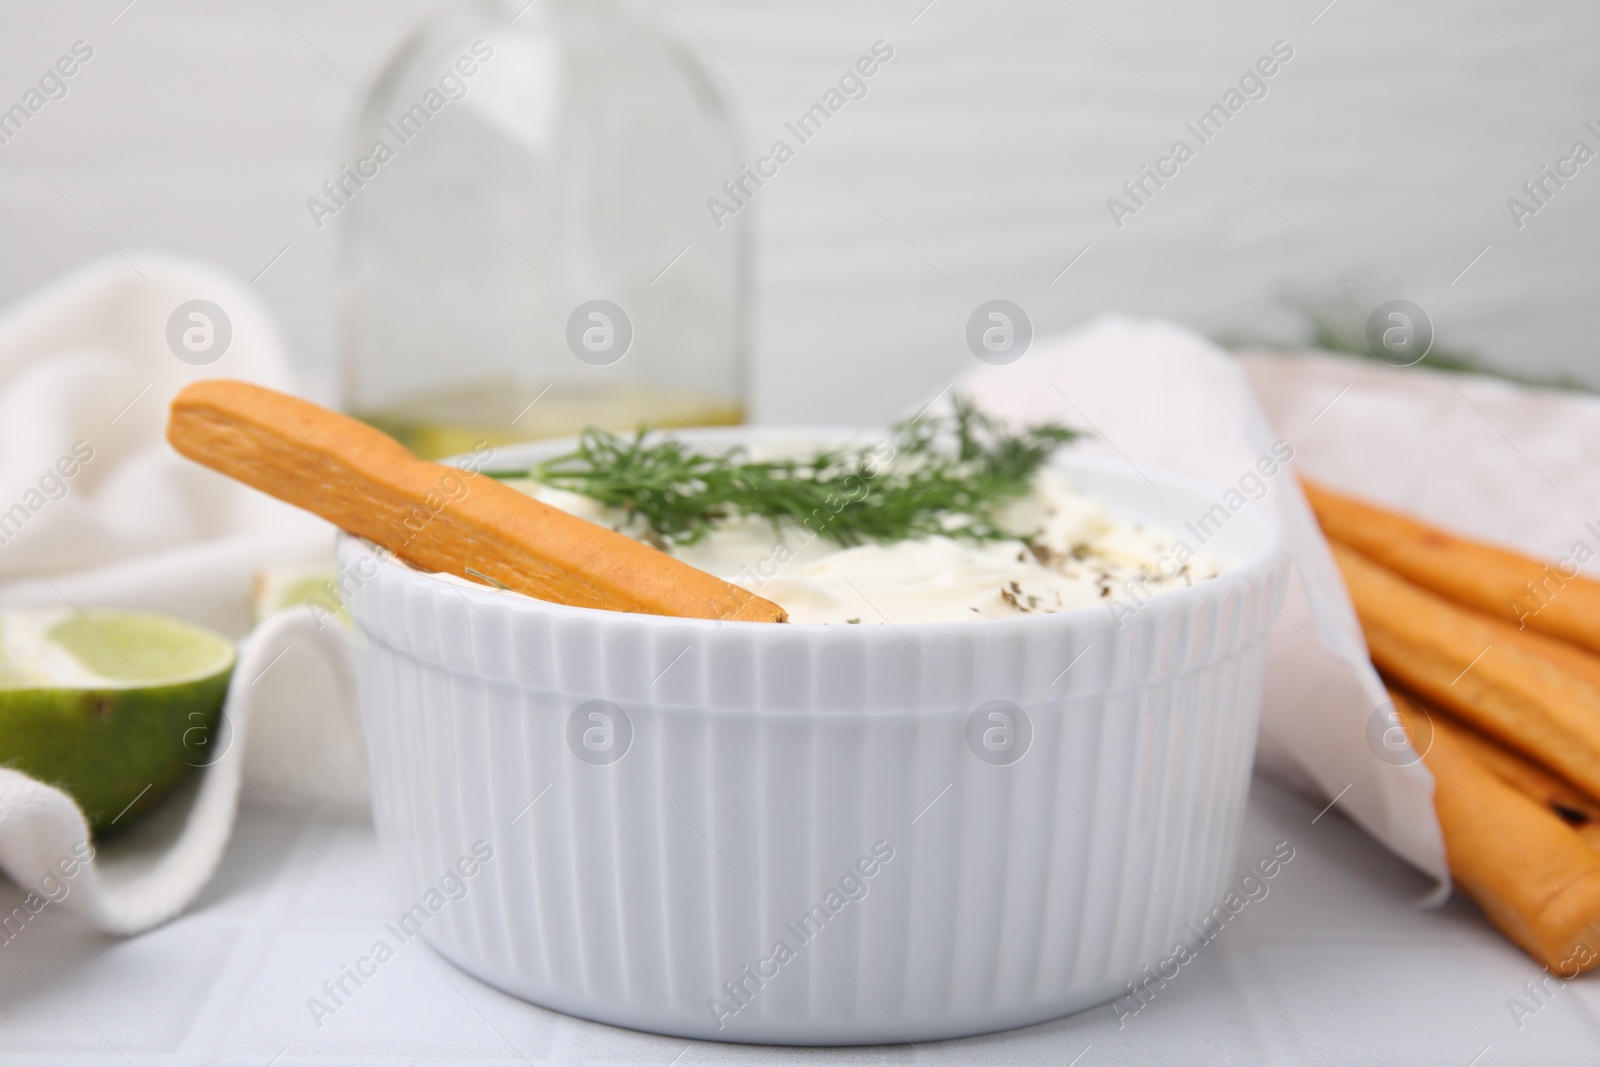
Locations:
1076 554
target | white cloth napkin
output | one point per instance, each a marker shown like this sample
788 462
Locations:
1487 458
86 371
1154 394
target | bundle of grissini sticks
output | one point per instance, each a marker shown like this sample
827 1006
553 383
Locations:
1493 661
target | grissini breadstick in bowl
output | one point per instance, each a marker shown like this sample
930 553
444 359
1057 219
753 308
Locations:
367 483
1531 873
1549 597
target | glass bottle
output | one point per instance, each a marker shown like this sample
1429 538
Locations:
527 243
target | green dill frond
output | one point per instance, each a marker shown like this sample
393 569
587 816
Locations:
936 474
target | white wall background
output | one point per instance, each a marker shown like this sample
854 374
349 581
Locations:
1378 166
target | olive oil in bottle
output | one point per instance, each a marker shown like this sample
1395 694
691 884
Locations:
527 248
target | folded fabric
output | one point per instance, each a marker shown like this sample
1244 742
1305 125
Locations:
1487 458
96 510
87 370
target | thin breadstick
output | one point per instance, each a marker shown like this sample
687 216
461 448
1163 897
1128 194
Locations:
1531 873
1485 671
438 518
1585 665
1571 806
1568 803
1550 597
1568 657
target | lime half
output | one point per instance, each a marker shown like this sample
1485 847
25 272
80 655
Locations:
114 707
316 588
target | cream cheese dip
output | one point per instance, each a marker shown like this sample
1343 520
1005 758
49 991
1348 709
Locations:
1071 552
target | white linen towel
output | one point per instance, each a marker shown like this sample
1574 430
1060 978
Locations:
91 362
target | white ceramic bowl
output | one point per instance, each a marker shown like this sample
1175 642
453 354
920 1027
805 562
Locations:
827 788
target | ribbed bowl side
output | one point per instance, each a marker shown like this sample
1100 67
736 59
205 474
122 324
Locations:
770 766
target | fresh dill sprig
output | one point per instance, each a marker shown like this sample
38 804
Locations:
1332 333
935 474
1339 326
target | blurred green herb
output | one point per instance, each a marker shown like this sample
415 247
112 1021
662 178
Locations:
1340 327
935 474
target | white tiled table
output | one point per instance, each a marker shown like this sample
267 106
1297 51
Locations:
1335 966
